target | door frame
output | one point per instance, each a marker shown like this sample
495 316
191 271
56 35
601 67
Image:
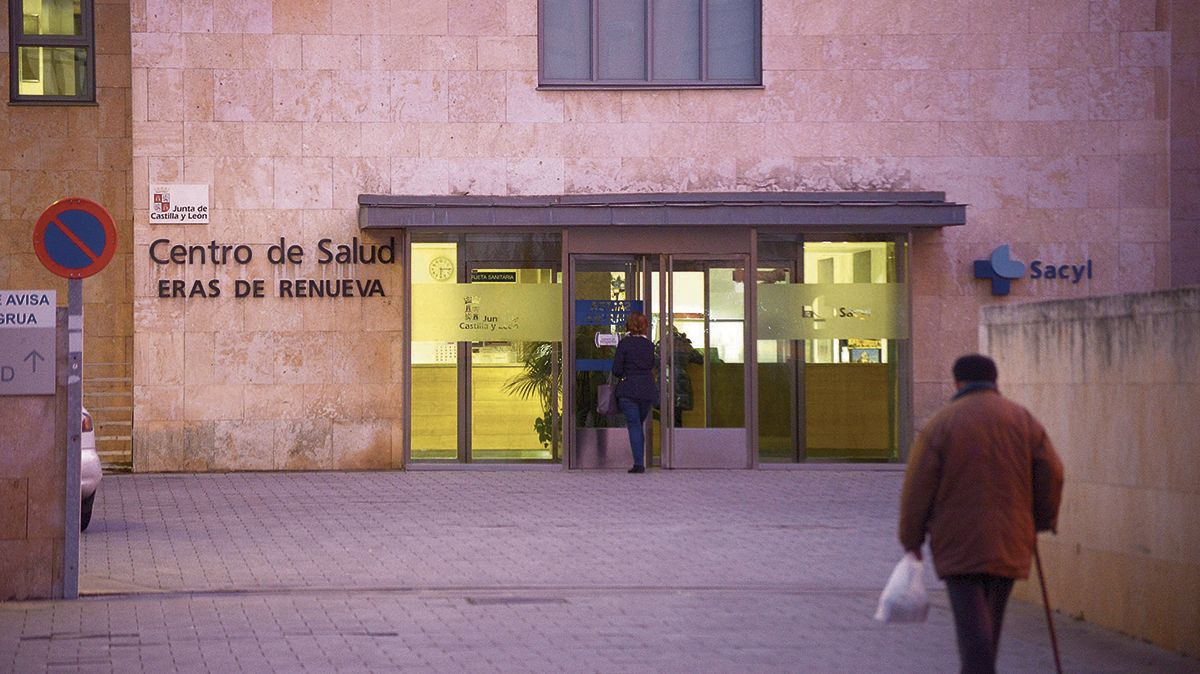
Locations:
749 358
666 242
569 430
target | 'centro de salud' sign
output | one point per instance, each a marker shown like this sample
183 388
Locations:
217 255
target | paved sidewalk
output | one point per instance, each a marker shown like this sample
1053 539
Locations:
708 571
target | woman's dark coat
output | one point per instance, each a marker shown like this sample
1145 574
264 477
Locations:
633 366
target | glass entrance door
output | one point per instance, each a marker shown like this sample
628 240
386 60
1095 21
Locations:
697 312
702 352
605 290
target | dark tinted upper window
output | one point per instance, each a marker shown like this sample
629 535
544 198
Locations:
53 50
650 43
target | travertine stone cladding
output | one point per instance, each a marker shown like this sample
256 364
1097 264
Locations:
1050 119
1185 143
51 152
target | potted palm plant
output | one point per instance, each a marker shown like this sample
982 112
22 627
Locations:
537 378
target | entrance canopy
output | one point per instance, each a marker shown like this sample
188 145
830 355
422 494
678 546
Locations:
844 211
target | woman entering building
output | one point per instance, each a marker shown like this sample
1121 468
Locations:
633 365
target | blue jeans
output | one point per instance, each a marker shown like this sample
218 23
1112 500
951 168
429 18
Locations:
635 412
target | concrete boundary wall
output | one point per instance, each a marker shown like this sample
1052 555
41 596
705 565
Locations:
1116 381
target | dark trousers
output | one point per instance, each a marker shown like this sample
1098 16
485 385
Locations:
978 601
635 412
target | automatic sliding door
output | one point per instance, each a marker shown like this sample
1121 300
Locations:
704 356
606 290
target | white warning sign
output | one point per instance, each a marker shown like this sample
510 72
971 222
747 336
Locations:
27 359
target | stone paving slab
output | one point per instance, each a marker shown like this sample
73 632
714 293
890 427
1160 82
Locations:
485 529
596 630
698 571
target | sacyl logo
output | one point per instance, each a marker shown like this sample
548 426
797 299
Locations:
1001 269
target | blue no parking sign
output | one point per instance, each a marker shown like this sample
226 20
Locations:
75 238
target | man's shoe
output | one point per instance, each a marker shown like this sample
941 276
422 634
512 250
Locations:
638 469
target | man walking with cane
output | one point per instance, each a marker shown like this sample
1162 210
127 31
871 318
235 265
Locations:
982 479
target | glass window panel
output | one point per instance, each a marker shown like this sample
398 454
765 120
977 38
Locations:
604 297
777 413
514 396
434 401
732 39
706 365
52 17
622 39
29 60
833 311
434 364
836 338
849 262
725 351
514 386
488 310
566 39
677 40
515 404
850 411
508 250
727 294
53 71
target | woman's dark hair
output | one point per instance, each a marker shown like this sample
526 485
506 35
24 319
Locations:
637 324
975 367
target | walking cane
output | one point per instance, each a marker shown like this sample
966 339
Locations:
1046 602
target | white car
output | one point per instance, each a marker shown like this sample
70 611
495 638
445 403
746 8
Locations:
89 470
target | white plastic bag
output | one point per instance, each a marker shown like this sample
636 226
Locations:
904 599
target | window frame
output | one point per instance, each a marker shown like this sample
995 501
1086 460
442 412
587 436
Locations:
704 82
17 39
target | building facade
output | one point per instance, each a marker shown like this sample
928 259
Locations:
393 234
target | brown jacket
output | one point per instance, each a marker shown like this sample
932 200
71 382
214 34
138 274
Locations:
981 477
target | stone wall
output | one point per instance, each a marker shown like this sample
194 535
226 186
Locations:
1115 380
33 476
1185 142
48 152
1049 118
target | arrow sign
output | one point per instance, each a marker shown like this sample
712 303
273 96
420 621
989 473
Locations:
27 326
33 374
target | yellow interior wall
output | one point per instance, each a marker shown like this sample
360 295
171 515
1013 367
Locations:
846 410
502 420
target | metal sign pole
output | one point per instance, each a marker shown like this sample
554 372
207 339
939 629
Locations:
74 238
74 433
